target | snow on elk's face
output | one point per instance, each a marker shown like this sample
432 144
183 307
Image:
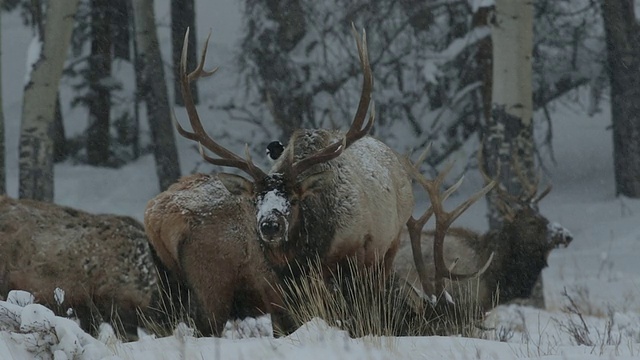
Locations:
532 225
278 200
274 207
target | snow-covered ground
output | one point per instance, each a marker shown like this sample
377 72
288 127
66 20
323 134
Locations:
599 270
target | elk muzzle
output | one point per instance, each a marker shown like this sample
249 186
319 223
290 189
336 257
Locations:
273 228
273 211
558 235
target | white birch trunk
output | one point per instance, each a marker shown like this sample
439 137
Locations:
39 105
508 135
508 140
512 36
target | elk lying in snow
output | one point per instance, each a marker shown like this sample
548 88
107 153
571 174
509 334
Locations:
510 259
101 262
205 238
330 194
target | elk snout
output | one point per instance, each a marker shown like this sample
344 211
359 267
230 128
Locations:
559 235
273 229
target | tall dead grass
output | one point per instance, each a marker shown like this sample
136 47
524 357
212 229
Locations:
364 301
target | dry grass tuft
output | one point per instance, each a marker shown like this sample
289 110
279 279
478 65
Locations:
174 306
363 301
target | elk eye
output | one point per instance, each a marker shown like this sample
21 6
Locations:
293 202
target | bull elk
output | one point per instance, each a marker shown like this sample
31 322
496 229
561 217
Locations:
101 262
330 194
204 238
510 259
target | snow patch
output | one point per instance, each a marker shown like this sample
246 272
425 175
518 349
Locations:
58 295
45 335
20 298
272 201
555 229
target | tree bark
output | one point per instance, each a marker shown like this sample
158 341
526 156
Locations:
137 95
623 58
99 98
183 16
3 171
154 92
508 134
508 145
38 110
60 150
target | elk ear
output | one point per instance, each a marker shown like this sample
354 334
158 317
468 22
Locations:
314 183
236 184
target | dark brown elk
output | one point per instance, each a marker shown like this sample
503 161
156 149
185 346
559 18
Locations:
330 194
507 261
101 262
204 240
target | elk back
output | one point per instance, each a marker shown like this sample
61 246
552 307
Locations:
102 262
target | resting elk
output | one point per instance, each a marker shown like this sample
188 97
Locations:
330 194
507 262
101 262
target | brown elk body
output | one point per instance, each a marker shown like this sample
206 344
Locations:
331 194
101 262
520 250
204 238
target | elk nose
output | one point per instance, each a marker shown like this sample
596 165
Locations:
568 238
270 228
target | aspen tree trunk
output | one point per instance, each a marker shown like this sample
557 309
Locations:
508 135
39 105
3 170
508 145
154 93
623 57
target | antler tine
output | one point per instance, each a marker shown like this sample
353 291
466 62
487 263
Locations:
444 220
226 157
356 130
330 152
544 193
199 71
414 226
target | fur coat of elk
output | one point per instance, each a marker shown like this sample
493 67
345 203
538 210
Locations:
505 263
204 240
330 194
101 262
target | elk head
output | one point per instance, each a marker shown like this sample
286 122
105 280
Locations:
278 193
522 217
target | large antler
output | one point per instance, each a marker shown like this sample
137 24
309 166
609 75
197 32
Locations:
226 157
529 195
356 130
444 220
